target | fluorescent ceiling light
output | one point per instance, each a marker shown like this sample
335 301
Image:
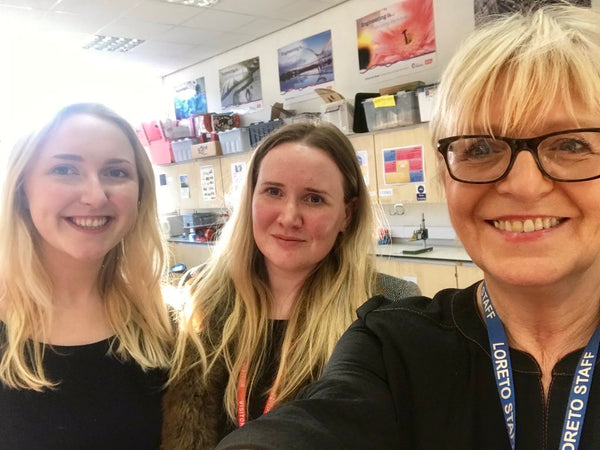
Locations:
111 43
204 3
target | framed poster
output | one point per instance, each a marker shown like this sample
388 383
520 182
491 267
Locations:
398 38
240 86
307 63
190 99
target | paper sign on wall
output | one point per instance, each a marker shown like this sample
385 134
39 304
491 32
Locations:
238 169
207 183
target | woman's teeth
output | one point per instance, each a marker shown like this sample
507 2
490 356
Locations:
527 225
89 222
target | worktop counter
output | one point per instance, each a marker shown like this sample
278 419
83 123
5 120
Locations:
441 251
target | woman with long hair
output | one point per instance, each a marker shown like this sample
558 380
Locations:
291 266
85 337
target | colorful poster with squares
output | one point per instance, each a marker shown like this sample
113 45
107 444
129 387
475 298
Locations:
403 165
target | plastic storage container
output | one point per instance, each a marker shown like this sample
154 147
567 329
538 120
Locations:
236 140
404 112
340 113
261 129
182 149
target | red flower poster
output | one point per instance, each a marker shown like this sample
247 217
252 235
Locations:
400 37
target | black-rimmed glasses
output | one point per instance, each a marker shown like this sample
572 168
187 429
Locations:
571 155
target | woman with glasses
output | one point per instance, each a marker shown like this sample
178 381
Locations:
508 362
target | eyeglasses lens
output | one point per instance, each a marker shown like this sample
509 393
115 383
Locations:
568 156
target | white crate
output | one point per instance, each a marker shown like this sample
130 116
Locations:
236 140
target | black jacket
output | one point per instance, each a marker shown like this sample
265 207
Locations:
417 374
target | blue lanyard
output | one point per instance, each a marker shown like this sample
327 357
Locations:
580 387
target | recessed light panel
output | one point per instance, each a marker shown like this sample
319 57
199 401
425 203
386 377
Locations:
111 43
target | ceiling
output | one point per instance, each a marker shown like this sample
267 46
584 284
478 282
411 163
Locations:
176 36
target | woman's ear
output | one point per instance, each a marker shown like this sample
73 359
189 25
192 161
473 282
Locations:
349 210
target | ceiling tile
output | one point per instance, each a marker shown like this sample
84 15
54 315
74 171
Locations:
211 19
262 8
304 9
135 29
262 26
167 13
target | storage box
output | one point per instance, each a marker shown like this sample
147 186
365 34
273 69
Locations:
153 131
426 96
236 140
178 129
340 113
160 152
182 149
261 129
392 111
206 149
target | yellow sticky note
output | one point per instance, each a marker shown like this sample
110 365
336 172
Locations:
384 101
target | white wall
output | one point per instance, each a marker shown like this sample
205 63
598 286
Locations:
341 20
453 21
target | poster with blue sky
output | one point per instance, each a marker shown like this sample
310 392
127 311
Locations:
306 64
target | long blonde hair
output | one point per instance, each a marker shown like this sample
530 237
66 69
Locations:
130 278
228 315
531 61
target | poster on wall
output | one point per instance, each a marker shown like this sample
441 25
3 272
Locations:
240 86
403 165
485 8
398 39
305 65
184 186
190 99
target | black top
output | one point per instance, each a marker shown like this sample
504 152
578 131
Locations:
99 403
417 374
266 378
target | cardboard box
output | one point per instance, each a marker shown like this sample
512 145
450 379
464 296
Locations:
206 149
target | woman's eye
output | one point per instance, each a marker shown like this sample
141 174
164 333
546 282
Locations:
117 173
63 170
315 199
273 191
573 146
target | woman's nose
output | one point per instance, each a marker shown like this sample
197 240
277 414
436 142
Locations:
290 214
93 192
525 178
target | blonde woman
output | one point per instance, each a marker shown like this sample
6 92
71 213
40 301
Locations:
84 334
292 265
507 363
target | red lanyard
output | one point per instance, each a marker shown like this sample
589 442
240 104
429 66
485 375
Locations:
241 396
